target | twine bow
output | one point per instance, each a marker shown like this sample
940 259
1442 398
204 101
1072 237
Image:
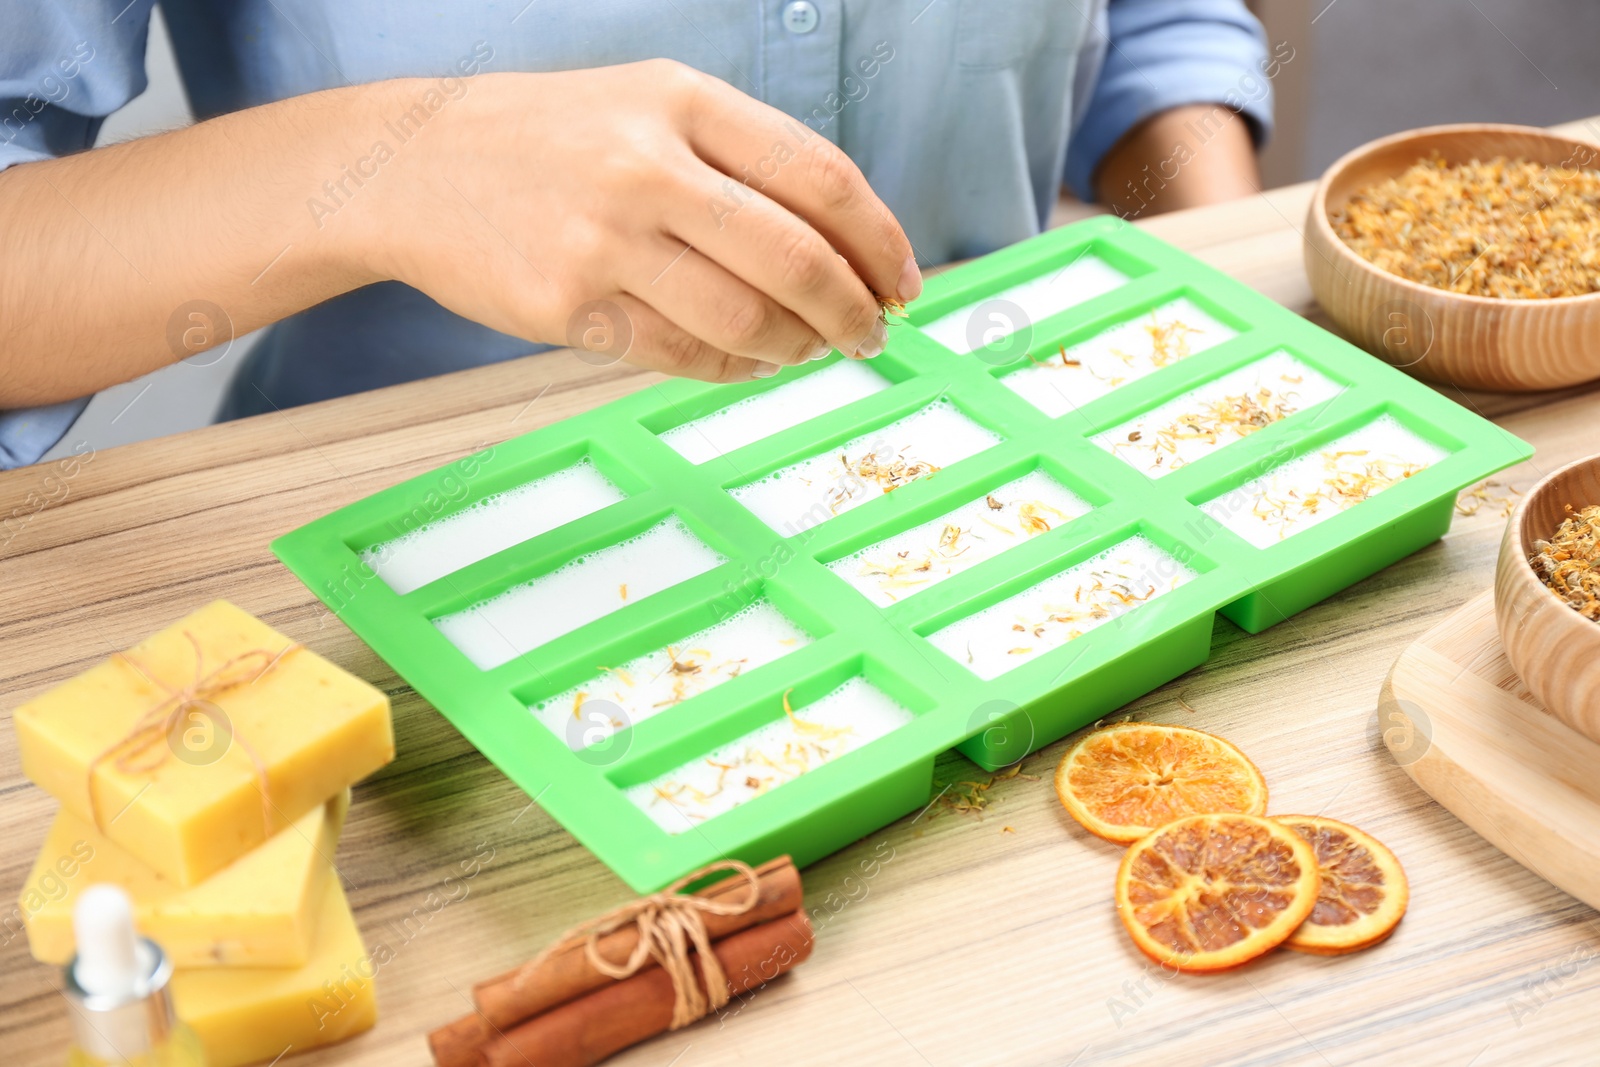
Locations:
669 923
141 750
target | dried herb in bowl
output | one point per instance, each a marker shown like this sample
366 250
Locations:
1569 562
1505 228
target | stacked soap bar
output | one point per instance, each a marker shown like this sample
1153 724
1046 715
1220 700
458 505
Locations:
206 771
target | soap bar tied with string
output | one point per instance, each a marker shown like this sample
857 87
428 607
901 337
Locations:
146 745
198 743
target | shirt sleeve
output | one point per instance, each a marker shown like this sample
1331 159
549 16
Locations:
1162 54
64 66
28 433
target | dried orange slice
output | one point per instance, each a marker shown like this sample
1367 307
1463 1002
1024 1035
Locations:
1364 891
1124 781
1210 892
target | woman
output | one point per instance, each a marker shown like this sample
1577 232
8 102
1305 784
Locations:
711 188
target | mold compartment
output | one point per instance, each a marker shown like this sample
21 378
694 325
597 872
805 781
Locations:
491 524
1012 731
1215 415
1048 291
774 741
1085 371
670 675
760 415
1326 481
900 566
1063 607
864 468
500 628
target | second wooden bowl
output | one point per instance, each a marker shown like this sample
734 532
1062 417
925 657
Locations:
1472 341
1555 650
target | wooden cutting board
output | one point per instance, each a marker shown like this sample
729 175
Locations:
1455 715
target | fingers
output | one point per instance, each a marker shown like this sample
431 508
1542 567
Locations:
792 164
723 310
779 254
659 344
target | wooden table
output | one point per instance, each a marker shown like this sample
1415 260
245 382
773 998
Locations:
972 940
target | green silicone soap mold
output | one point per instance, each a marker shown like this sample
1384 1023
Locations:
994 722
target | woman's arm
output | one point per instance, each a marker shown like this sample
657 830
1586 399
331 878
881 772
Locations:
1183 157
711 220
1181 99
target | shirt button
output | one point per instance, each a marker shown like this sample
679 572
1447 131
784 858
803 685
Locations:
800 16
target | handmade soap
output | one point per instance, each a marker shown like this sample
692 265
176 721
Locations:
1068 378
204 740
1315 487
631 692
500 629
981 529
258 1014
760 416
996 317
1061 608
492 525
259 911
770 756
918 446
1228 409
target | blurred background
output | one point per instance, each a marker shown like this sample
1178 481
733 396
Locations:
1361 69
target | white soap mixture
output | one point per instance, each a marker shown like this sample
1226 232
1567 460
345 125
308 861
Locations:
804 739
1060 608
492 525
815 490
1036 299
1067 379
500 629
1228 409
1319 485
749 420
631 692
923 556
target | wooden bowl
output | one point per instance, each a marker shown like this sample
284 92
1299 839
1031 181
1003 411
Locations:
1555 650
1476 342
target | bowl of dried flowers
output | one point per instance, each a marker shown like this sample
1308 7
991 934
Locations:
1547 593
1467 254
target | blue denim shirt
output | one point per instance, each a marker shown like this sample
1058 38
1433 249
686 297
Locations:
965 115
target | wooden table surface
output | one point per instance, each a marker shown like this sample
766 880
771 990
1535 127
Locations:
968 939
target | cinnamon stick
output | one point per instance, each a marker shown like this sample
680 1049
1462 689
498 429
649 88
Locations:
509 998
582 1032
460 1043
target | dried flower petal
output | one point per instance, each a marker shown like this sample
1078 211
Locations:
1569 562
1505 228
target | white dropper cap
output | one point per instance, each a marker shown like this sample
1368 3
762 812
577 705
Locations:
118 981
110 963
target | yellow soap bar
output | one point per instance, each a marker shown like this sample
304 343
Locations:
256 1014
184 795
259 911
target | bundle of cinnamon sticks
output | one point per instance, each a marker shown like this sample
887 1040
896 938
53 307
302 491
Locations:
564 1010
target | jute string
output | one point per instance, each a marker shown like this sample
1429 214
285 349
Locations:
669 923
142 749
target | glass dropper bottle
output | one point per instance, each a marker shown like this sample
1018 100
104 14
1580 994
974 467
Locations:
116 987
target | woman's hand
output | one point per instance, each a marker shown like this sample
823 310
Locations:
647 211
